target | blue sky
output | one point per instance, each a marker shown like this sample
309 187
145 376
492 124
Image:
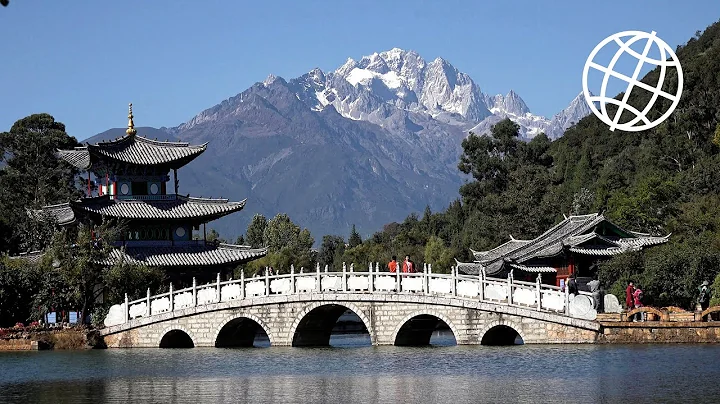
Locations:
82 61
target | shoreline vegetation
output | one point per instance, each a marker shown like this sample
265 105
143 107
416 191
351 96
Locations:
35 337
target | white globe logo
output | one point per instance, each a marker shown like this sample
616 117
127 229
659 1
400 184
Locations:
665 62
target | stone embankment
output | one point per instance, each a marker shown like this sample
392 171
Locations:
666 325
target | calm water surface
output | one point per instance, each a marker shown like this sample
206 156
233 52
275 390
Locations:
361 374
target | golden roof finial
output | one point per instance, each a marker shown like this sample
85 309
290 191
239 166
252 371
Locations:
131 125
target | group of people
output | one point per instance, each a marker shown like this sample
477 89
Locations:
408 266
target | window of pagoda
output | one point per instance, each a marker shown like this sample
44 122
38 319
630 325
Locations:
149 233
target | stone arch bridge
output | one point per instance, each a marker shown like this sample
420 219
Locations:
396 309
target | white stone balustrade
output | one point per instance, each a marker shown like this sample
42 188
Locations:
532 295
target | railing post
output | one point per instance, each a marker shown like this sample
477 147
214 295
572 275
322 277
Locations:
424 277
429 278
371 287
454 280
194 291
539 293
242 284
567 299
398 287
509 288
267 282
170 295
126 315
292 279
344 278
218 288
318 287
481 278
147 308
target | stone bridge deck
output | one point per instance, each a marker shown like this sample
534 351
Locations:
301 309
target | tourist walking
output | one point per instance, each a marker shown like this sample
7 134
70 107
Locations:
629 298
392 265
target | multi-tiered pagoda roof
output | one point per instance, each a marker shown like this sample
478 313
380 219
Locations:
135 172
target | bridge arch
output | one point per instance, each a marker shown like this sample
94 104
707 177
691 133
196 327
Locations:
500 332
708 311
233 318
423 337
321 336
176 336
661 314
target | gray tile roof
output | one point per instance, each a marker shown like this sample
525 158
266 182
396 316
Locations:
182 207
62 213
32 257
133 150
185 256
534 269
79 157
499 251
469 268
174 256
576 232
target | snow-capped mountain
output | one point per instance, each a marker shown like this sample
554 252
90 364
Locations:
397 85
512 106
367 143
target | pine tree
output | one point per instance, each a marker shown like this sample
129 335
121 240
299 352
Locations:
355 239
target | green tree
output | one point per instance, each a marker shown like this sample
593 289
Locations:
36 176
438 255
20 281
355 239
281 232
331 250
256 231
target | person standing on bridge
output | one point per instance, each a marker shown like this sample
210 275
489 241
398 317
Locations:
408 265
638 297
704 297
629 298
392 265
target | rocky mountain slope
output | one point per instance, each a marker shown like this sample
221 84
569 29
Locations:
366 144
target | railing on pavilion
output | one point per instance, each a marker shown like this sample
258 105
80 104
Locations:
529 295
168 197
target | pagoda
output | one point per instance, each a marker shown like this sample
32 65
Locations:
133 174
572 247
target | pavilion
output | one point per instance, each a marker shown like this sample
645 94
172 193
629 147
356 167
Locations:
573 246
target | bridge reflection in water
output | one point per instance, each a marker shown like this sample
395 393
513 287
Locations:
385 374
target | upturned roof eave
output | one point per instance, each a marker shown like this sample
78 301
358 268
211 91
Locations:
83 205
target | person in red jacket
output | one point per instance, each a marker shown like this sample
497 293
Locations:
629 298
408 266
392 265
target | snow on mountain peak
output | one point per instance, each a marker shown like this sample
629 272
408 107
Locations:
384 87
269 80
